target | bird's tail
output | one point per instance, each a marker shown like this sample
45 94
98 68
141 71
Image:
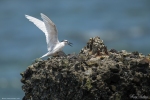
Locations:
47 54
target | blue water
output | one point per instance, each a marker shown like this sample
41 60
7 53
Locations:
121 24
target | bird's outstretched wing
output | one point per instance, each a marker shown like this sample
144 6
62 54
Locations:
48 27
40 24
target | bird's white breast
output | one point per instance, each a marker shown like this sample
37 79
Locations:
58 47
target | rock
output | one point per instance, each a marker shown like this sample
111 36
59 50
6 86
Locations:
114 69
94 74
95 46
113 87
92 61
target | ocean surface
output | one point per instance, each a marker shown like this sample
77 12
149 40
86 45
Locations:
123 25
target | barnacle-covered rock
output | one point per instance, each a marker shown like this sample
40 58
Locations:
95 46
93 74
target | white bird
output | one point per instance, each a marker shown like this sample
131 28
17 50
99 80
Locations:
49 28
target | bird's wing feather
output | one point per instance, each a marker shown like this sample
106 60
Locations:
40 24
51 35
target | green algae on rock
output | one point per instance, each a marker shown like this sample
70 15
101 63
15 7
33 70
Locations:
93 74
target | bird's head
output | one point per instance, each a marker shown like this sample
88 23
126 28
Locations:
67 42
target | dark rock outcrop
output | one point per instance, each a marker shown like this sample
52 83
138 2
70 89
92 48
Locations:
93 74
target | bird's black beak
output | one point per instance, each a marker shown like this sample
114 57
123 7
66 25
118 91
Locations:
69 43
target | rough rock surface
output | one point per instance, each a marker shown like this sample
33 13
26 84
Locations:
93 74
